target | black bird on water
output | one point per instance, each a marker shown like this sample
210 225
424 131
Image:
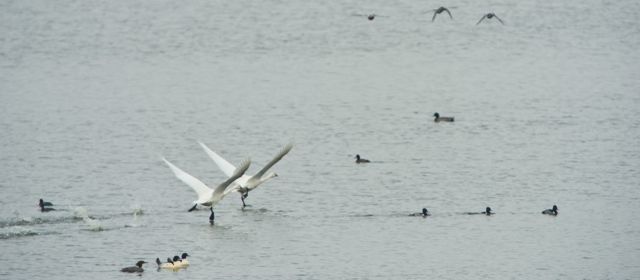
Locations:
43 206
490 16
134 269
487 212
553 211
425 213
361 160
438 118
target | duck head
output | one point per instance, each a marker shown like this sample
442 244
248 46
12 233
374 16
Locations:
184 255
488 211
425 211
139 263
436 115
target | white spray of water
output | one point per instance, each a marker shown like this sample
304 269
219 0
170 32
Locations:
94 224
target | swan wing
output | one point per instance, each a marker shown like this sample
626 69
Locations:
223 164
198 186
277 158
219 192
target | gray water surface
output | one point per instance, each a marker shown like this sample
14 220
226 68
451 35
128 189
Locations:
547 107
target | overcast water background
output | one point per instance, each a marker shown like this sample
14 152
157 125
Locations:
547 109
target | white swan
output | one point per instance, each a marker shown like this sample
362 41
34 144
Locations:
246 183
206 196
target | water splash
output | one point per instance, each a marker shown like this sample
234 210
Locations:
94 224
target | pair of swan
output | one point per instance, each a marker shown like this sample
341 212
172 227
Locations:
237 181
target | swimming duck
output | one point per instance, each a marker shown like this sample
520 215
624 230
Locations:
44 203
361 160
183 260
553 211
134 269
246 183
490 16
438 118
439 11
487 212
168 265
371 17
424 213
46 209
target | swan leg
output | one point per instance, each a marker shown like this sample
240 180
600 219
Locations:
193 208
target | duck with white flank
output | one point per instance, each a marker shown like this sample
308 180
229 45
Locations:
246 183
206 196
490 16
553 211
361 160
168 265
134 269
183 260
438 118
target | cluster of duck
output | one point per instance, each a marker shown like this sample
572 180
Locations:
237 180
425 213
443 9
176 263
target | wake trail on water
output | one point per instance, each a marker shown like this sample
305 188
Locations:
24 226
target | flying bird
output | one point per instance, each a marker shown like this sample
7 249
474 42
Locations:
206 196
246 183
439 11
490 16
